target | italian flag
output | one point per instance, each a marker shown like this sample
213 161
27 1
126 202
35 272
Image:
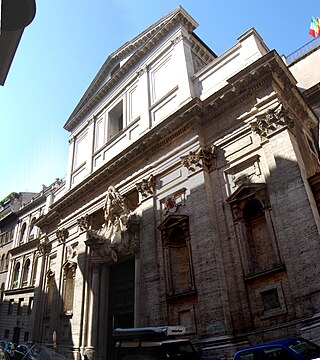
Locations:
314 27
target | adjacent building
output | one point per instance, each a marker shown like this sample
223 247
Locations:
191 198
19 254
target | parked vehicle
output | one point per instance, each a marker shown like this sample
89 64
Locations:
285 349
153 343
26 352
8 348
3 355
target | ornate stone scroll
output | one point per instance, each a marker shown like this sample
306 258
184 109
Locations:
200 159
119 229
272 120
147 186
116 213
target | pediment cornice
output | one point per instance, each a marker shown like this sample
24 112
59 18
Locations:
138 47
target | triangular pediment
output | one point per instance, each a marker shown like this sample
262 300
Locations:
245 191
128 55
172 220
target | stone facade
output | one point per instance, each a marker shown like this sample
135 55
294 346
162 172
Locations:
188 200
20 271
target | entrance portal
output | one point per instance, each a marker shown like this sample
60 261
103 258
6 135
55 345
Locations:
16 335
121 299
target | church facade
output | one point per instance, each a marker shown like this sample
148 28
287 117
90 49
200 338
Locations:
190 199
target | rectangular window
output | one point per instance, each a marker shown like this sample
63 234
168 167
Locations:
270 299
81 150
10 306
249 355
26 336
6 334
115 119
20 307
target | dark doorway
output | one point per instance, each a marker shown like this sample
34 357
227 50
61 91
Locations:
121 299
16 335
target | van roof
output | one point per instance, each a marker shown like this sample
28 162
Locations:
274 342
152 332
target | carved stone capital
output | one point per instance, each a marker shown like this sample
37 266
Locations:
200 159
44 247
147 186
62 235
142 70
274 119
84 223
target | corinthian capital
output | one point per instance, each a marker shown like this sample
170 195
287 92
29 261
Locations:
147 186
274 119
200 159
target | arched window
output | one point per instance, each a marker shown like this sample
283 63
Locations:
22 232
6 265
26 271
2 262
33 229
258 236
175 236
68 286
179 261
2 292
16 273
34 271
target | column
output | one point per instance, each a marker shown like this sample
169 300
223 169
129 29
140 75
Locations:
93 319
137 284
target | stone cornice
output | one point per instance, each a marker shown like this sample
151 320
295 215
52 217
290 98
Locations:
21 248
312 96
139 47
269 69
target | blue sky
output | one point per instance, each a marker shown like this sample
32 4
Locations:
66 44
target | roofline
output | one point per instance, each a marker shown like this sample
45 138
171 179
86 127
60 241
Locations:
138 42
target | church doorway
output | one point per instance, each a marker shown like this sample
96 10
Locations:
121 298
16 335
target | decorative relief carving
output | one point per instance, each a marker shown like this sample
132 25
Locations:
129 244
116 213
147 186
274 119
49 275
117 231
84 223
62 235
69 265
171 203
71 251
200 159
142 70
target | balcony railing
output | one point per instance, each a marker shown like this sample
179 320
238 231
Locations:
303 50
